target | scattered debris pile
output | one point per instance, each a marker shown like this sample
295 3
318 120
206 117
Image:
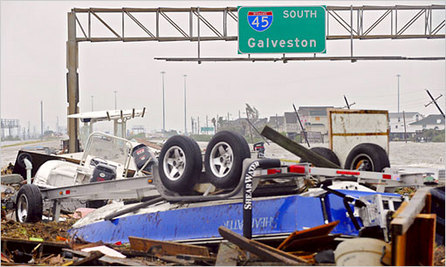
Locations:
39 231
48 243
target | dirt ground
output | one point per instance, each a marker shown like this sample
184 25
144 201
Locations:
48 231
439 255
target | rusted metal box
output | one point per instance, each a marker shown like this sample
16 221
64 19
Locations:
348 128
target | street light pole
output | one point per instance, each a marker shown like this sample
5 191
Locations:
92 103
164 109
185 123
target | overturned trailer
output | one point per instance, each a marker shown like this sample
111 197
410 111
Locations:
271 209
234 197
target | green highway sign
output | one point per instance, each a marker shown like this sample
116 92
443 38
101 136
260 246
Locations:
290 29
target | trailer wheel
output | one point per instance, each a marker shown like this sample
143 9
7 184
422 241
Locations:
367 157
180 163
224 157
29 206
326 153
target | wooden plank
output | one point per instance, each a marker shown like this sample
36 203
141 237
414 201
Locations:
297 149
399 250
324 229
416 246
31 242
94 255
422 239
263 251
227 254
402 222
310 243
166 248
400 209
428 205
279 252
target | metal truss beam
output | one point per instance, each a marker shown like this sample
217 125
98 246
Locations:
343 22
286 59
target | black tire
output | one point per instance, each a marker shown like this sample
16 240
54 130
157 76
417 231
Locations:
29 206
95 204
367 157
237 150
188 165
21 159
326 153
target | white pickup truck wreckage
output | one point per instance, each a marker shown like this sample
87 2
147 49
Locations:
106 158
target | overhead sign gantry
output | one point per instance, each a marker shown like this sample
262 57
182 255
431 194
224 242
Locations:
341 23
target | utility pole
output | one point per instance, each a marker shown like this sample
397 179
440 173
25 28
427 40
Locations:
435 102
348 104
301 126
185 127
41 119
404 121
398 76
164 109
72 84
116 103
92 102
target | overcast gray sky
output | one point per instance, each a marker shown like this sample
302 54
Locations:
33 36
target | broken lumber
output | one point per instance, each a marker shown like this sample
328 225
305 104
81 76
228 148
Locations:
321 230
311 243
227 254
298 150
405 218
166 248
413 233
94 255
263 251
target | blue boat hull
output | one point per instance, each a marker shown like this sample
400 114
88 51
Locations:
272 216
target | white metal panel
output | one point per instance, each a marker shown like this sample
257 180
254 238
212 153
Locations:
359 123
349 128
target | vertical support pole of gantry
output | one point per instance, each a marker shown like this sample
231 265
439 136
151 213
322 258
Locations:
72 83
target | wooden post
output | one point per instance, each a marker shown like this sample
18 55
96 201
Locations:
413 234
